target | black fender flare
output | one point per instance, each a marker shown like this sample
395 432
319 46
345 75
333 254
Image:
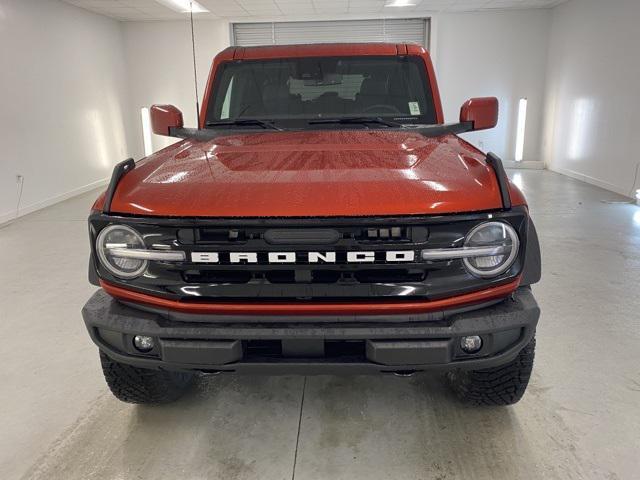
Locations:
93 274
532 270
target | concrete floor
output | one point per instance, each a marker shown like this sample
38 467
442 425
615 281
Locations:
579 419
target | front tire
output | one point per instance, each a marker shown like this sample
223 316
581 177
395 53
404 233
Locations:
503 385
140 385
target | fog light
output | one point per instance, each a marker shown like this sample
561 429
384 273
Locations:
143 343
471 344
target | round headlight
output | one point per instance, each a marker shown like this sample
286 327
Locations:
114 239
500 235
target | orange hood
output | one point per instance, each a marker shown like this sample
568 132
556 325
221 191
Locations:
315 173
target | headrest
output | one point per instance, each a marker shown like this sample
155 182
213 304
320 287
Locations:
275 90
372 86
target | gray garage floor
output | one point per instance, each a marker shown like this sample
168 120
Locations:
579 419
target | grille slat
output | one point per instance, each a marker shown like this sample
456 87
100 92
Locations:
288 275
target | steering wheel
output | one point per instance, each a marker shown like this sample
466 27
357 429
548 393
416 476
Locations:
388 108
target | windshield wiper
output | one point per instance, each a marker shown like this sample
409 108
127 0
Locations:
356 120
244 121
432 130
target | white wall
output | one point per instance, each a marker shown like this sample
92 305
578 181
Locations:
64 92
160 67
593 97
477 54
501 54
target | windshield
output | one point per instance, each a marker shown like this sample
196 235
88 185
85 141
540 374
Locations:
299 91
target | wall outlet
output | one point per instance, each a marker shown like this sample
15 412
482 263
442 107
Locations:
19 179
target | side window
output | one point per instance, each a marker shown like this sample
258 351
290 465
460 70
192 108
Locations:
224 114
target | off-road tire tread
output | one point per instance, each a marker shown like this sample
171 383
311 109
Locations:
503 385
140 385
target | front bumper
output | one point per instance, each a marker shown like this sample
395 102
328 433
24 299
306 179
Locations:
313 345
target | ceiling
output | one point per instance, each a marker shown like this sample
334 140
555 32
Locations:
150 10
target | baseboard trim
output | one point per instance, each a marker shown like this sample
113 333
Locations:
525 165
590 180
34 207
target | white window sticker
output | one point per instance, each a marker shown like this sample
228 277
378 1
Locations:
414 108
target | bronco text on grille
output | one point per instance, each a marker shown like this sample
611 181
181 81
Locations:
308 257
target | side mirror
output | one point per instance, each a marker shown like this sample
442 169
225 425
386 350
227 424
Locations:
165 117
482 112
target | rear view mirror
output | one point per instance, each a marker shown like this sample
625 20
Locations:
165 117
482 112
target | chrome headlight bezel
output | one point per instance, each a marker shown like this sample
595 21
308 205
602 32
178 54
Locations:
101 249
511 257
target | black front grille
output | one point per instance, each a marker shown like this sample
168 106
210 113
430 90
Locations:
307 237
390 275
293 275
217 276
305 280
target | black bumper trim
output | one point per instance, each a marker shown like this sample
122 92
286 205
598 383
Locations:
182 318
431 343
